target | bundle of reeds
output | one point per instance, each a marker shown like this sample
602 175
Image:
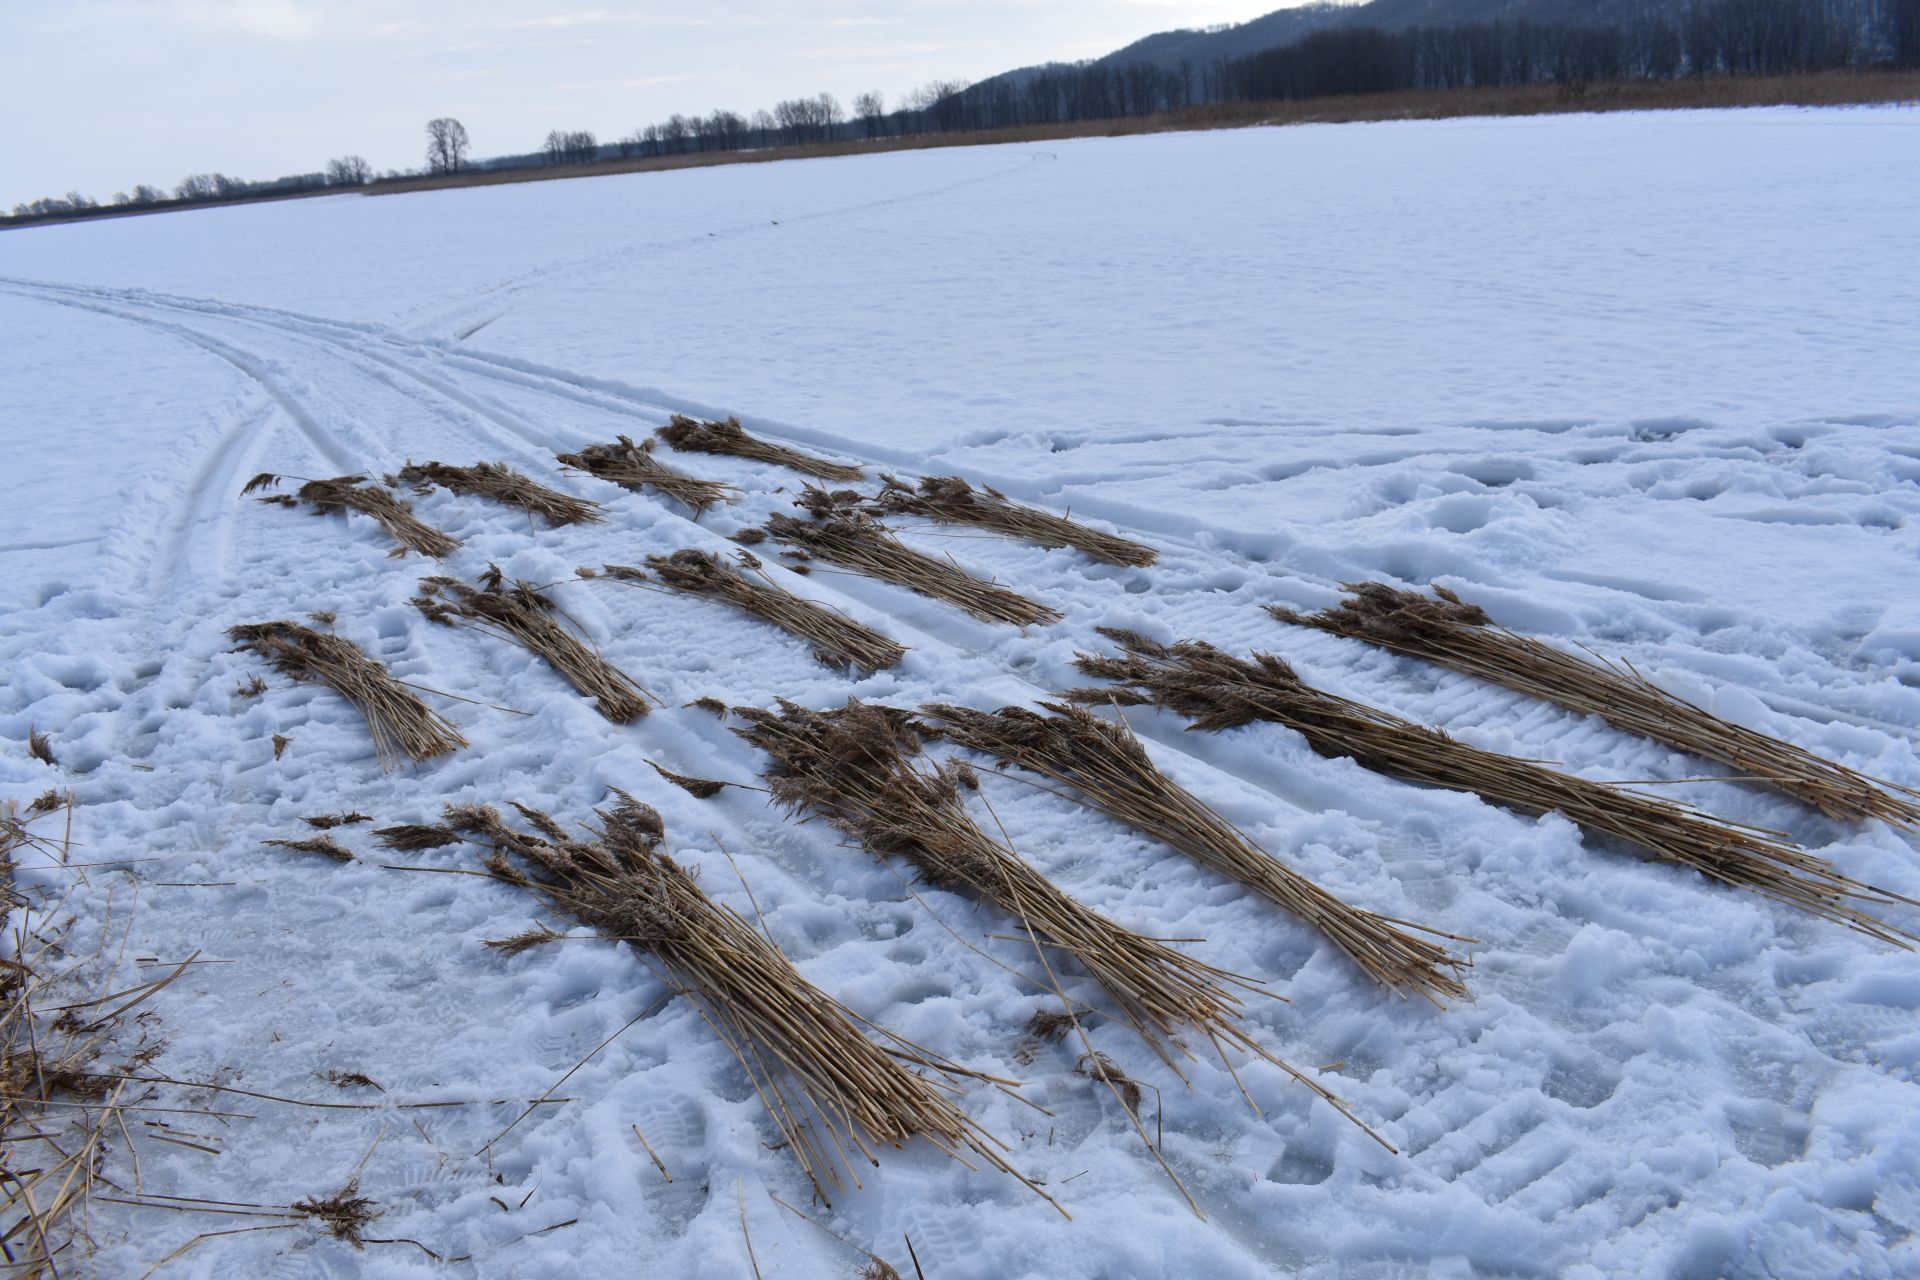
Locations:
519 613
399 721
356 493
633 466
836 639
951 500
857 768
842 534
498 482
1105 763
730 437
1219 691
1461 636
618 881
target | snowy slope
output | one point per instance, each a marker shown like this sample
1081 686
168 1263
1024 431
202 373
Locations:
1645 383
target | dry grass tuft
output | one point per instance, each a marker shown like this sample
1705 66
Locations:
280 744
324 846
252 687
836 639
698 788
354 493
399 721
46 802
1461 636
633 466
951 500
714 705
729 437
520 614
1218 691
345 1214
538 936
412 837
844 535
328 821
40 747
1105 763
498 482
1099 1067
351 1080
857 768
836 1093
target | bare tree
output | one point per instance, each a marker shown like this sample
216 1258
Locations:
871 109
348 171
446 145
197 186
144 194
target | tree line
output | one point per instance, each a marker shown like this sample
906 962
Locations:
1704 38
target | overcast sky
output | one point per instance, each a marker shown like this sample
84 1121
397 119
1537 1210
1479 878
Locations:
98 95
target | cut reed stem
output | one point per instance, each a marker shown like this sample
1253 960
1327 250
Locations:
356 493
1462 637
951 500
633 466
498 482
728 437
1106 764
518 613
843 534
835 639
400 723
858 768
851 1094
1218 691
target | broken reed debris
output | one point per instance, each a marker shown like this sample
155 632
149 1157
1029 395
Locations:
67 1039
836 639
322 845
729 437
1218 691
519 613
399 721
1462 637
858 768
328 821
633 466
833 1093
40 747
412 837
698 788
842 534
951 500
498 482
1105 763
356 493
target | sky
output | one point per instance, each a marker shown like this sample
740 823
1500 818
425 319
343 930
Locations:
99 95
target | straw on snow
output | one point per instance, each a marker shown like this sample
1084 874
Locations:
1218 691
835 1093
730 437
1462 636
843 534
856 767
835 638
498 482
520 614
951 500
399 721
356 493
633 466
1106 764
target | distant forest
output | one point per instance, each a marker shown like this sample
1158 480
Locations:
1659 42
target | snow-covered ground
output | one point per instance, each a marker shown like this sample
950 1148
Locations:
1645 383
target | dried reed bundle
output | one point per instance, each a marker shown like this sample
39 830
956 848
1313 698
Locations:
951 500
856 767
500 483
518 613
862 1095
399 721
729 437
1218 691
633 466
843 535
1106 764
836 639
1462 636
354 493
